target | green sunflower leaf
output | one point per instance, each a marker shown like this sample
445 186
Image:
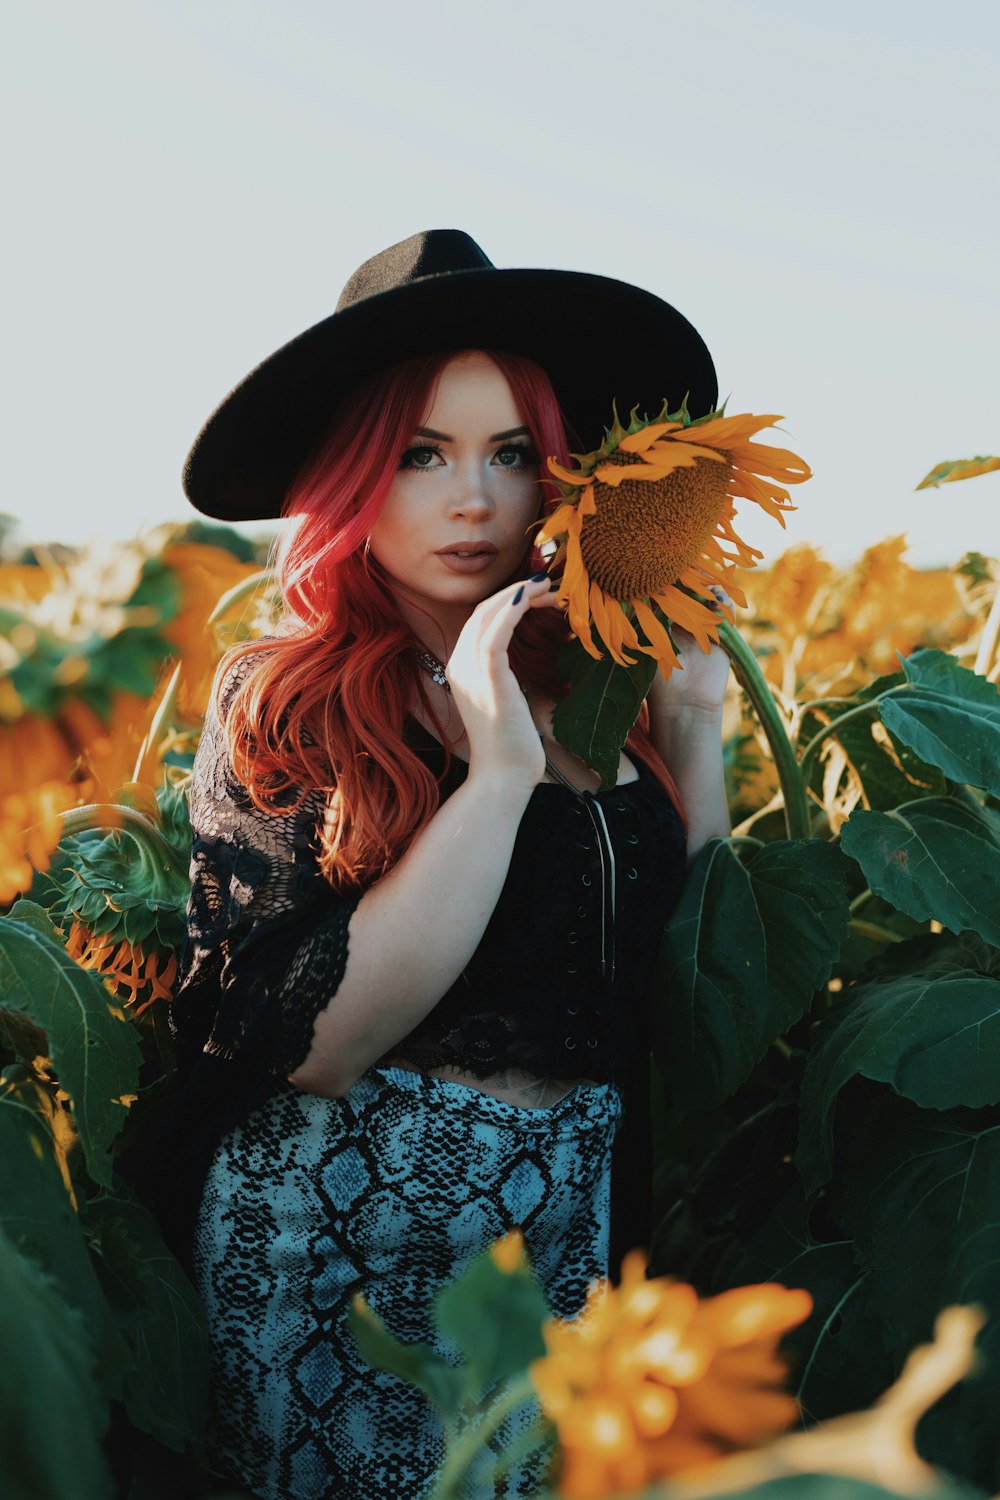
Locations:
54 1412
95 1052
922 1199
932 1033
493 1319
950 717
604 700
38 1218
742 955
159 1319
937 858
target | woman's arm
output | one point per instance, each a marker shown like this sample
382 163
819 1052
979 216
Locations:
685 725
690 743
415 930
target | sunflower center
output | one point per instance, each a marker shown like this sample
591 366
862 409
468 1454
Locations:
647 532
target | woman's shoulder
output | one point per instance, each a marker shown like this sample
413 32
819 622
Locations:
237 665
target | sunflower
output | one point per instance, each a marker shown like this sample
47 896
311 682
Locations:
651 1380
645 529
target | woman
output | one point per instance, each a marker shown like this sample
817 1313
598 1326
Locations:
413 1006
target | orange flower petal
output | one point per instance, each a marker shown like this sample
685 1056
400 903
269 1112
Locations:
576 477
636 442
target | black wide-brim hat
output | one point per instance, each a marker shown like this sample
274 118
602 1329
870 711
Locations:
599 340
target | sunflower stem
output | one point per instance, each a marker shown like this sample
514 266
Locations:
835 725
751 679
143 832
474 1437
240 591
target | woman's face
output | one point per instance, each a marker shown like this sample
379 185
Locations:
468 480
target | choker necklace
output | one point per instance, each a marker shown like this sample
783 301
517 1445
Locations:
434 667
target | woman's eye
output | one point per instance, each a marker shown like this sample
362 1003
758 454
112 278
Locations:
516 455
419 458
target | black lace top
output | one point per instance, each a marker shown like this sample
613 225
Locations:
558 986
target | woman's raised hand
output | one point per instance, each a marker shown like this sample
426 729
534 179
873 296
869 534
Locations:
503 737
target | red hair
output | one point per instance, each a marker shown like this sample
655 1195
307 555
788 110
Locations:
325 706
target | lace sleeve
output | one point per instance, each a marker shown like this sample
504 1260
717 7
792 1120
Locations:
266 943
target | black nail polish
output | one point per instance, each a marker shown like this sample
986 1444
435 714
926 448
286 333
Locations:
517 597
537 577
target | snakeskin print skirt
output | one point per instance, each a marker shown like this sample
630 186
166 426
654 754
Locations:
389 1192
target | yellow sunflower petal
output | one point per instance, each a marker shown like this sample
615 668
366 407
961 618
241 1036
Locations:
779 463
734 429
640 440
554 525
575 477
575 590
697 619
659 640
604 612
658 467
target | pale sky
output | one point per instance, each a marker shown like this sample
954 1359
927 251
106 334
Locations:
815 186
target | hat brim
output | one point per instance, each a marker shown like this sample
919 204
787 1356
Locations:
599 340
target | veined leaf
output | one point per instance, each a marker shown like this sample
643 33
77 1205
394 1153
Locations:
958 468
493 1319
951 718
54 1414
158 1316
38 1219
741 958
834 1367
595 717
419 1364
933 859
923 1202
933 1035
94 1050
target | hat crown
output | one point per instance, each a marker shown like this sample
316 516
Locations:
433 252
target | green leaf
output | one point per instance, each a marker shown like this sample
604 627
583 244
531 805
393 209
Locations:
888 770
958 468
158 1315
94 1050
595 717
932 1034
835 1366
418 1364
932 859
743 954
950 717
493 1319
35 916
922 1197
38 1218
54 1414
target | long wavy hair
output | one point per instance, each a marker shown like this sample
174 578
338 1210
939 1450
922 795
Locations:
324 706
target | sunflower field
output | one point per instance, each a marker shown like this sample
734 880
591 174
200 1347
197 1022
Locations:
819 1310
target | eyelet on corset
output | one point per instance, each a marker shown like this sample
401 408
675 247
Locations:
571 968
581 911
591 1041
571 937
569 1043
633 874
633 838
586 880
572 1010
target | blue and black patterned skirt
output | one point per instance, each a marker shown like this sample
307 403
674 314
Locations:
389 1192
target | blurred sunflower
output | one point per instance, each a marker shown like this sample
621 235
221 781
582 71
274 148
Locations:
650 1380
645 524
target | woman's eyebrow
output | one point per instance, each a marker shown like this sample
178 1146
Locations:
496 437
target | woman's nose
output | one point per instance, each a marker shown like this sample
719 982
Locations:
471 496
